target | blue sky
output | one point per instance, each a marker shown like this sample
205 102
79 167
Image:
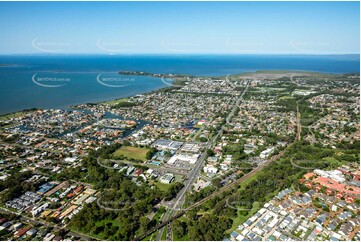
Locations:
180 27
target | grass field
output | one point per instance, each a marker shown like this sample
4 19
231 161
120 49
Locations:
101 235
116 101
164 234
13 115
103 222
131 153
241 219
162 186
271 88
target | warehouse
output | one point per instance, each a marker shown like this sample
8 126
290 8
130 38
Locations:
167 178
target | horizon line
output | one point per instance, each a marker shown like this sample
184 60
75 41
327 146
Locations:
129 54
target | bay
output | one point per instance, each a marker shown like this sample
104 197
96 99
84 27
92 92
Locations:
58 81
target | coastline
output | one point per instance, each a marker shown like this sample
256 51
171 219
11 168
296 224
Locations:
27 110
175 80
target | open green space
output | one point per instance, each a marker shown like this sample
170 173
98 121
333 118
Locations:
116 101
131 152
272 88
165 187
240 219
296 72
120 103
13 115
104 224
162 186
164 234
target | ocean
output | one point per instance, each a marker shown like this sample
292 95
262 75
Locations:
58 81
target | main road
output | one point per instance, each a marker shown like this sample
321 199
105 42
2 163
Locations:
228 186
176 203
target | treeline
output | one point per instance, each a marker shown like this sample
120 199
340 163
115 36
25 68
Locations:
207 227
119 192
123 205
275 177
308 115
173 190
105 152
236 150
152 151
109 225
124 105
15 185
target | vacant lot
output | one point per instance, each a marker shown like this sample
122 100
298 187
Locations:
163 187
131 153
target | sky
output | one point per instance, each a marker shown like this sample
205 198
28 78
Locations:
180 27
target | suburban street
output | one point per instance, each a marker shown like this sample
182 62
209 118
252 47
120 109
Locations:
47 224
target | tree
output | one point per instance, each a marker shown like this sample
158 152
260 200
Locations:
209 227
99 229
203 139
192 214
179 228
173 190
194 233
144 224
216 182
150 153
210 152
162 210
